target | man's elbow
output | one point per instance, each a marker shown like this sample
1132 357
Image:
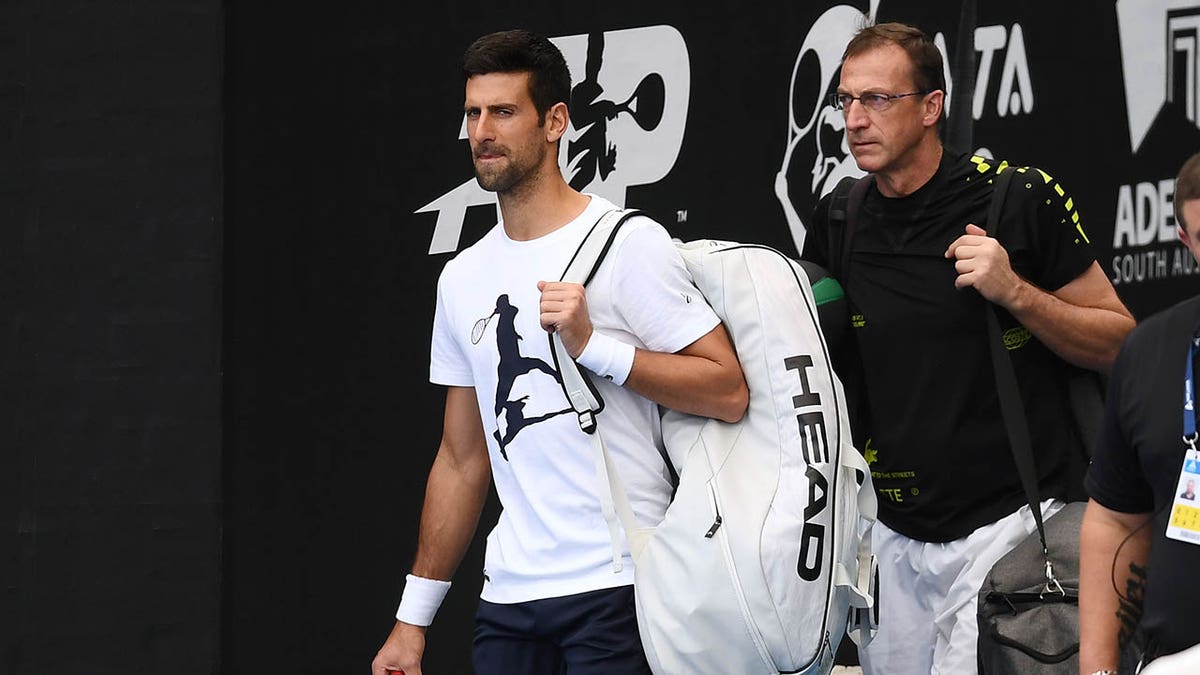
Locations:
1124 325
734 404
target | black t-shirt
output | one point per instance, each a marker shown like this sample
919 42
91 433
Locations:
1137 464
938 449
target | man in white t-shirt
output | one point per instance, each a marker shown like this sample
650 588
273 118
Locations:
554 596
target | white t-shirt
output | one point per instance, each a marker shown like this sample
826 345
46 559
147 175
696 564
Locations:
551 538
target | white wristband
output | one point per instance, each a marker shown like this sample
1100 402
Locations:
421 600
607 357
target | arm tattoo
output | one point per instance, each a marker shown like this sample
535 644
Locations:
1129 609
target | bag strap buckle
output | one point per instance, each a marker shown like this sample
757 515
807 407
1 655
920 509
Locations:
1052 585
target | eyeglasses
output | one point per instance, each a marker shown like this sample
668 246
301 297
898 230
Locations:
870 100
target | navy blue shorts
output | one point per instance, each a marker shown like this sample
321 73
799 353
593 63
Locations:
593 633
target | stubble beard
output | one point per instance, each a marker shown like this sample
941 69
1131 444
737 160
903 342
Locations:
507 177
501 180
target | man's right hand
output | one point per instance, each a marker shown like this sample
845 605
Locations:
401 652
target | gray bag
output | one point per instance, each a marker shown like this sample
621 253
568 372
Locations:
1029 624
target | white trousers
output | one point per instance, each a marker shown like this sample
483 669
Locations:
1186 662
929 596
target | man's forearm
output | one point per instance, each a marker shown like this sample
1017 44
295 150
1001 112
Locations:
703 379
1089 337
1112 557
454 499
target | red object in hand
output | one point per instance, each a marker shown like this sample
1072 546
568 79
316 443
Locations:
395 672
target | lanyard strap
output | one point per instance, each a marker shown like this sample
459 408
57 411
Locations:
1189 396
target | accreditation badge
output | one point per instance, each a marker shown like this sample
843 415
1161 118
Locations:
1184 524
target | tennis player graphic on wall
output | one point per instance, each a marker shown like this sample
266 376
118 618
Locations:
591 150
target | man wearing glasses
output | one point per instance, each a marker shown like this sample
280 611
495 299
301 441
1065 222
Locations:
920 272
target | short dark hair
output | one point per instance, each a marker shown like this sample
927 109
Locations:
927 72
1187 186
523 51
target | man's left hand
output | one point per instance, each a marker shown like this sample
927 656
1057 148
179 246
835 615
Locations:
982 264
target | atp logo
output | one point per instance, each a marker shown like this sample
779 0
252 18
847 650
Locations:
1161 63
629 104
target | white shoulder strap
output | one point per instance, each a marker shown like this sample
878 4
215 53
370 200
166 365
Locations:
586 401
584 398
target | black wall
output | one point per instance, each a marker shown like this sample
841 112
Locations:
110 336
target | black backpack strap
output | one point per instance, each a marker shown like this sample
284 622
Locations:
999 195
844 209
1085 388
837 226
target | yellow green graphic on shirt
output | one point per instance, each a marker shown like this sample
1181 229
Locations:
1068 203
1017 337
896 494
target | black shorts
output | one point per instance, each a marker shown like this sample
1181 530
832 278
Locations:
593 633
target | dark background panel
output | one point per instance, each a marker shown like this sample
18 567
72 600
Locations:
110 195
331 425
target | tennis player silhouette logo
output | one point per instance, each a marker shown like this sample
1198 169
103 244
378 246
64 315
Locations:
510 412
591 150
